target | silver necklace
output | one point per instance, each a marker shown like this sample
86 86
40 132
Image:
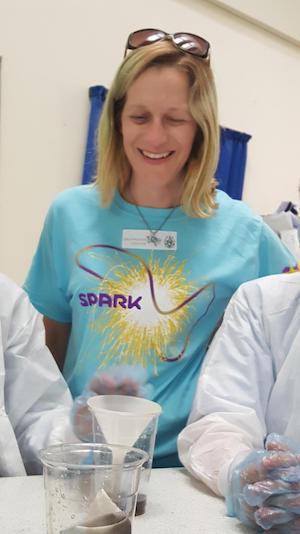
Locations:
152 237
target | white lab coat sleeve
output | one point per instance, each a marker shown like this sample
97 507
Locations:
37 399
228 413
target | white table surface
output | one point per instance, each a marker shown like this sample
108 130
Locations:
177 504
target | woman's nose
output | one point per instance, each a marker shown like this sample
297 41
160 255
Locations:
156 134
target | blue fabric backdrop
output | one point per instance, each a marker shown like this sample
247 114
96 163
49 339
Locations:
233 155
97 96
232 162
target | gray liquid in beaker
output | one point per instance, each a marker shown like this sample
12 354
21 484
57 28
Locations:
103 517
106 524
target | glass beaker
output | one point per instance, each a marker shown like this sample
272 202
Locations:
130 421
87 491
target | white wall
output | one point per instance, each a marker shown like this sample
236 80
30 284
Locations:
53 50
279 16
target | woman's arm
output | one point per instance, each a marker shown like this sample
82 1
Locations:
57 338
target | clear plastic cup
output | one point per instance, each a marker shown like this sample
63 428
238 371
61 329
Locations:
87 491
130 421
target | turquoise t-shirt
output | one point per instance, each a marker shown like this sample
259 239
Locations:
157 308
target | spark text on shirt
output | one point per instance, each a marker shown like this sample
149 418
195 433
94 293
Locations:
112 301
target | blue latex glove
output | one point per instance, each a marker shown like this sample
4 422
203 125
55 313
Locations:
265 486
287 528
116 380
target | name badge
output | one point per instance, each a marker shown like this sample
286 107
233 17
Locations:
143 239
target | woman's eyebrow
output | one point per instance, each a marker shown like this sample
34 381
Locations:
173 109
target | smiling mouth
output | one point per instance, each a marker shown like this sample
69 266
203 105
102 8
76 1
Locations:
155 155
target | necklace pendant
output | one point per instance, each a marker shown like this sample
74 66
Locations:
153 240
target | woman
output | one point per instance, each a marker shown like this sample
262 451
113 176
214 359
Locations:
35 401
248 390
138 268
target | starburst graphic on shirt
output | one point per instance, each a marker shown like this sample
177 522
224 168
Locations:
139 336
153 332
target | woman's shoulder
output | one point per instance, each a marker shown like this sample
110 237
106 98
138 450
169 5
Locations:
237 215
226 204
71 207
74 202
82 193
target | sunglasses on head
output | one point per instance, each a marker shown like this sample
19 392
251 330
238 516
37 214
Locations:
186 42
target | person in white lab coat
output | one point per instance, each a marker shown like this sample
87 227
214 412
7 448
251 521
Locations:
249 385
34 399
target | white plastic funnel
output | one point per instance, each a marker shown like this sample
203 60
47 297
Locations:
123 419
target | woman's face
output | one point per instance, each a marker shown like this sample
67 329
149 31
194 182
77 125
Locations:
157 127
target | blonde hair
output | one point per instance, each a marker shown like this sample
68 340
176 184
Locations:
113 169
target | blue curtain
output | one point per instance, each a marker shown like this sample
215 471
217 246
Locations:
97 96
233 155
232 162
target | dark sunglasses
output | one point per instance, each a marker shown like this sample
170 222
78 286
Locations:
186 42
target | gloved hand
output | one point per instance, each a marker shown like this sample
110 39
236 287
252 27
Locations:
116 380
288 528
265 487
120 380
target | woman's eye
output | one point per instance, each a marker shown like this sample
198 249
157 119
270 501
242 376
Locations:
175 120
139 118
